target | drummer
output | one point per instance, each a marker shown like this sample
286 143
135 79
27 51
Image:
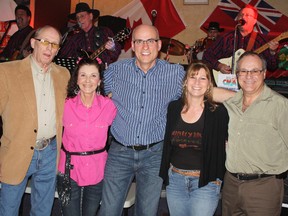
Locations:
213 32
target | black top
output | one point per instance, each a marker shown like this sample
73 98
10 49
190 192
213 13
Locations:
186 141
214 136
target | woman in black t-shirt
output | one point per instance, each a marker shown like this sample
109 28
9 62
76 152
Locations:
193 161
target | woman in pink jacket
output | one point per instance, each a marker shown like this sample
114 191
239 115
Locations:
86 119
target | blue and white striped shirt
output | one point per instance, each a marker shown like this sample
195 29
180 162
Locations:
142 99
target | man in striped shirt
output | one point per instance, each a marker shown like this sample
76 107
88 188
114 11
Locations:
141 88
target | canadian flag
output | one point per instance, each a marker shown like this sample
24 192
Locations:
161 12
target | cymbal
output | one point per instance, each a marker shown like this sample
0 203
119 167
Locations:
172 46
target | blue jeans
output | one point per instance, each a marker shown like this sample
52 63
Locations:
84 201
184 197
43 171
122 165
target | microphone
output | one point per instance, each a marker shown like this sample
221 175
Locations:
74 27
241 22
154 13
11 21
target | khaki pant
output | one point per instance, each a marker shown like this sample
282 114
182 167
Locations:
259 197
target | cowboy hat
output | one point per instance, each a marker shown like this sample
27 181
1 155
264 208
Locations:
82 7
214 26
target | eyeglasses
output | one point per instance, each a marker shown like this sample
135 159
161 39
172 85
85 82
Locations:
149 42
47 43
255 72
246 15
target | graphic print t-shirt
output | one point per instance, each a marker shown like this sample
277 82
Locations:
186 141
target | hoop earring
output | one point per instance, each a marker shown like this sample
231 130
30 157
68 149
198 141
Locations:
98 92
76 90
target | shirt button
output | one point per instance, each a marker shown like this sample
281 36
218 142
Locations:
241 120
238 133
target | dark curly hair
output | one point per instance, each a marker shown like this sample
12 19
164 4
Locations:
73 88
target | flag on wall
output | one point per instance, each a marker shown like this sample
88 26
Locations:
166 18
270 21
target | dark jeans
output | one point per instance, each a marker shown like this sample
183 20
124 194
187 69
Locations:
122 166
83 199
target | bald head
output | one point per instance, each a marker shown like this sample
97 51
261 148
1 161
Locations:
145 28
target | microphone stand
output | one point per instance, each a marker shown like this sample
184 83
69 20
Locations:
153 19
234 50
64 37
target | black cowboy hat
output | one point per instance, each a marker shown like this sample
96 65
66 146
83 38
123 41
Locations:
81 7
214 26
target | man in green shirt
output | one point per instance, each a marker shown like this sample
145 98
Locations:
257 148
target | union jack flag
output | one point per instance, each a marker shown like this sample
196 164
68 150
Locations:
270 21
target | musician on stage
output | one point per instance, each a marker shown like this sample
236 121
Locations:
90 37
246 39
18 43
197 50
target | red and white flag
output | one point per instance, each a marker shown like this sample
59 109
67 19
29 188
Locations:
166 19
270 21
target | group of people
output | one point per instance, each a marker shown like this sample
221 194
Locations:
88 39
167 126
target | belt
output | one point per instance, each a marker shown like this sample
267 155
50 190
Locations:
194 173
69 166
83 153
137 147
42 143
247 177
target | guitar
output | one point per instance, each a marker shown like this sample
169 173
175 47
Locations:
239 52
120 36
70 63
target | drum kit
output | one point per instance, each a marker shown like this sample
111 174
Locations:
174 47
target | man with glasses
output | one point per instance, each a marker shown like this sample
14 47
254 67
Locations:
141 89
257 147
246 39
32 95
